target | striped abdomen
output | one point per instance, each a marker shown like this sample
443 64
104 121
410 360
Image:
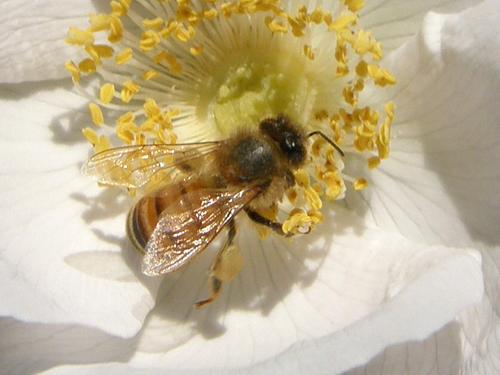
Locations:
175 199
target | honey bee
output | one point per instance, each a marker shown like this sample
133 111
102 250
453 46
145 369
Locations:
247 172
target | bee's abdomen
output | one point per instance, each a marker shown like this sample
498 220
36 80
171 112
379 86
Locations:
144 216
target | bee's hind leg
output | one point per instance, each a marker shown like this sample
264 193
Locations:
259 219
225 267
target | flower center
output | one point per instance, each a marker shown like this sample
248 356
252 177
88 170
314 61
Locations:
253 91
157 71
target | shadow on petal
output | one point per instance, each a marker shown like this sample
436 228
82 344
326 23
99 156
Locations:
29 348
440 352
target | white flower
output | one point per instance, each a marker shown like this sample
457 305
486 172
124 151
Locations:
404 277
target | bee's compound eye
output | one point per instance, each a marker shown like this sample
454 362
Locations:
292 147
290 142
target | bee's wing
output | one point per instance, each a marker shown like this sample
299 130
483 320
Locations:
134 166
190 224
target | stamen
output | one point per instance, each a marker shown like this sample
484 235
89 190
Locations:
96 114
195 70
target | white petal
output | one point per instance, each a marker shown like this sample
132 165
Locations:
33 32
64 257
393 22
470 345
302 307
441 183
297 297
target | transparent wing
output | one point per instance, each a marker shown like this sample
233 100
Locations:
134 166
193 219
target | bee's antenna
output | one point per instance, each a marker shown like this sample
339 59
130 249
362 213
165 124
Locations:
317 132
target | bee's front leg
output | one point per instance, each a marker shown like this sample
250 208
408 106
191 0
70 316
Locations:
225 267
259 219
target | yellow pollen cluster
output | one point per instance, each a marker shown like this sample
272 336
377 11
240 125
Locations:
300 221
139 70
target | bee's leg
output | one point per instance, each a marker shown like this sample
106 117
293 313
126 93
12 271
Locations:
225 267
259 219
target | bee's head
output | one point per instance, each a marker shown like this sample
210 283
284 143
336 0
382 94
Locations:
289 140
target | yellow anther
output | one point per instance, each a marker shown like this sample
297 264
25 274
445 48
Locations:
92 52
99 22
360 184
169 29
210 14
297 26
333 191
115 30
117 9
296 221
151 109
79 37
127 118
349 96
129 89
126 132
380 76
354 5
107 93
104 52
171 61
341 58
308 52
87 66
99 143
125 4
373 162
299 221
389 110
376 51
316 216
362 42
102 144
196 51
184 33
90 135
73 70
342 22
302 13
359 85
384 136
313 198
148 126
96 114
154 24
317 16
149 40
275 26
362 69
149 74
124 56
228 9
302 178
